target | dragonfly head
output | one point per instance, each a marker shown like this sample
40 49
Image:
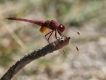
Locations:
61 28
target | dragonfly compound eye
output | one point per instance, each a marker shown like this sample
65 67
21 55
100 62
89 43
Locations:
61 28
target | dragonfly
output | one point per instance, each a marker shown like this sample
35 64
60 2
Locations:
45 25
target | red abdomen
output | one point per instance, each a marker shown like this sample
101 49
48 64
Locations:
40 23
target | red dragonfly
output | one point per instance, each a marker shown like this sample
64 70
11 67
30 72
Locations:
49 24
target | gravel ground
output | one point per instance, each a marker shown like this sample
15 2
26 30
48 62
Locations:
89 64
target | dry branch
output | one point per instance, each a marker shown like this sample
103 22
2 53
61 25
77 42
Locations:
34 55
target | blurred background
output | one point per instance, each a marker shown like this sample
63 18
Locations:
20 38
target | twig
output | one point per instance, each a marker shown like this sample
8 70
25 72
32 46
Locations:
34 55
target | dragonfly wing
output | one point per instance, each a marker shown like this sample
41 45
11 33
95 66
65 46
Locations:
43 29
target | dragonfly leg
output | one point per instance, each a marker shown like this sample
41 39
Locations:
62 35
59 44
51 32
56 34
